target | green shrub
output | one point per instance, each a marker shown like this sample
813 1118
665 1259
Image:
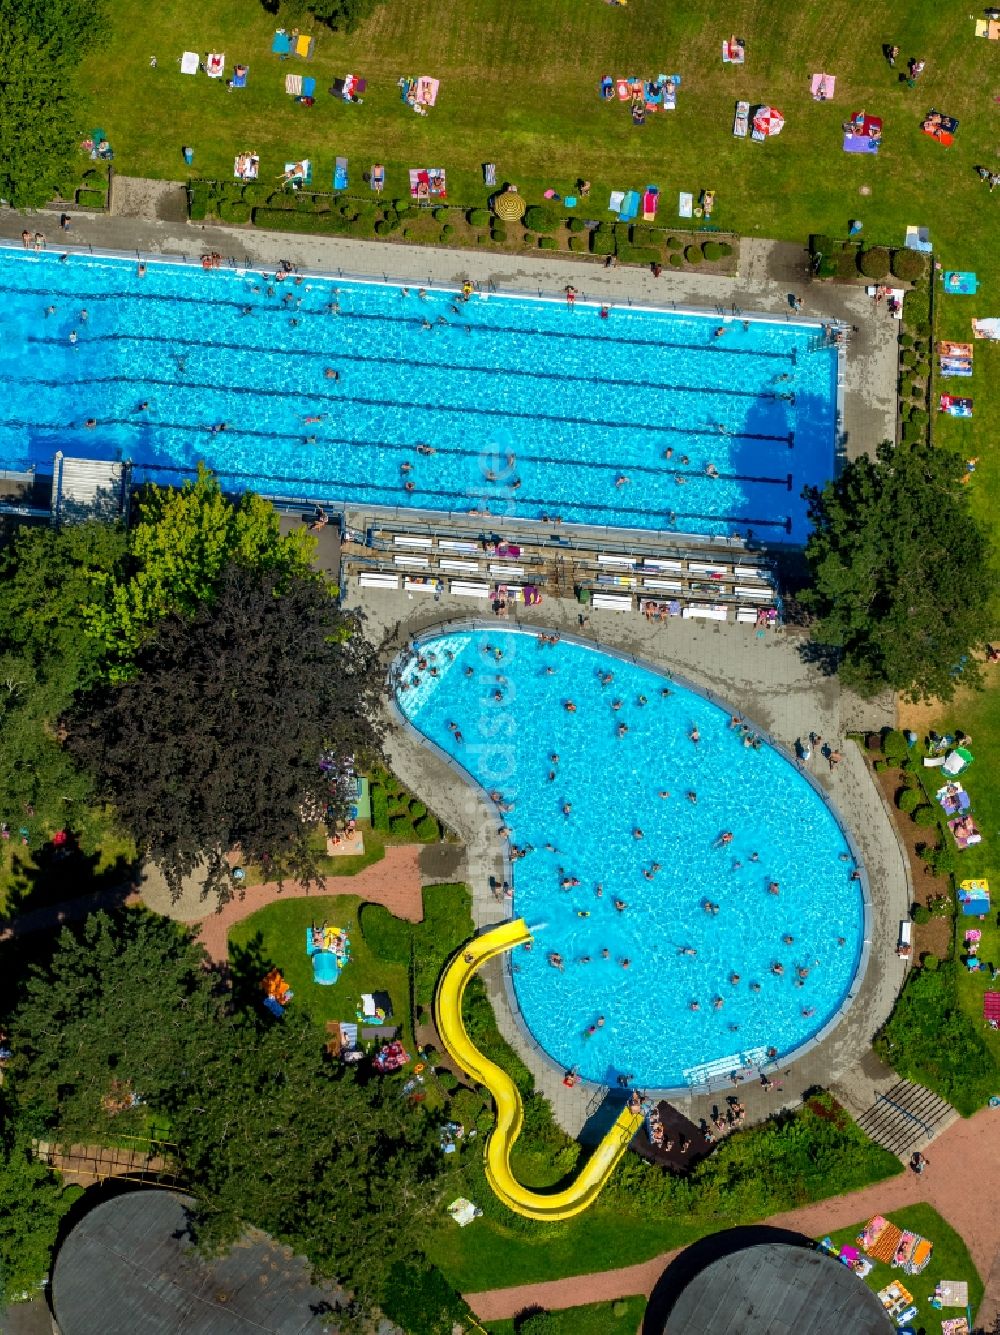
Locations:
417 809
918 416
387 936
918 391
677 261
540 219
693 254
645 236
908 358
447 231
400 826
575 225
380 808
905 341
930 961
894 746
90 199
919 346
478 218
909 800
712 250
602 241
921 915
907 265
197 200
921 328
925 816
905 387
578 244
547 243
674 243
440 215
819 244
725 249
498 232
427 830
383 228
234 213
402 205
874 262
539 1323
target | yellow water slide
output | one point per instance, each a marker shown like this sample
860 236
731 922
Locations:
509 1109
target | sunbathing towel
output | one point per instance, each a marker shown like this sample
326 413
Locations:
965 832
304 47
955 407
649 202
607 88
734 51
948 348
282 43
376 179
215 65
685 204
616 201
298 173
988 328
623 89
960 282
340 174
741 121
860 143
490 173
246 166
707 202
955 1325
823 87
630 206
670 95
420 187
293 85
308 87
437 182
426 90
920 1257
953 798
988 28
190 62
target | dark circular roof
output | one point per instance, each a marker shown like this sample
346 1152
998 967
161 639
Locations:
128 1266
775 1288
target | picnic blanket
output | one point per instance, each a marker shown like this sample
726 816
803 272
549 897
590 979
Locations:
974 897
304 47
918 238
685 204
630 206
879 1239
940 127
862 133
823 87
955 1325
964 831
954 798
960 282
988 328
952 1293
954 359
425 90
955 407
293 85
988 28
741 121
991 1009
190 62
894 1297
913 1253
734 52
281 43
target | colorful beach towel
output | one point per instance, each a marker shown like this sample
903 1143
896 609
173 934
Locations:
823 87
989 328
960 282
955 407
685 204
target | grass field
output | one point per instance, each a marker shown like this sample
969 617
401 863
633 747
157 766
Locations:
592 1319
950 1260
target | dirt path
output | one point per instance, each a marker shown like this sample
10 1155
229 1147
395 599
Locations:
961 1182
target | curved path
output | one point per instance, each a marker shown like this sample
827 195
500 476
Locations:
586 1186
961 1182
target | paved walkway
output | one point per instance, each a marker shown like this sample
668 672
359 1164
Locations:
961 1182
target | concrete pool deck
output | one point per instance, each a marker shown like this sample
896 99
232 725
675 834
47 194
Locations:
773 684
770 272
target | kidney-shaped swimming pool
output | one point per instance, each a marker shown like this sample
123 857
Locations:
694 902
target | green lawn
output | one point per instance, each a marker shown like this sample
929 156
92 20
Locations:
950 1260
594 1319
275 937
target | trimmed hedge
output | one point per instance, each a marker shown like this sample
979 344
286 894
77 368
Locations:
498 232
712 250
638 255
907 265
575 225
91 199
602 241
578 244
539 219
909 800
380 808
324 224
874 262
693 254
234 213
674 243
676 260
846 263
926 817
478 218
725 248
547 243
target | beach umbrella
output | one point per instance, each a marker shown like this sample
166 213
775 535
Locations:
768 121
509 205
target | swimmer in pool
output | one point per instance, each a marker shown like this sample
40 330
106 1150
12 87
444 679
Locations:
694 1006
773 888
556 960
622 729
777 968
687 950
637 833
734 978
664 793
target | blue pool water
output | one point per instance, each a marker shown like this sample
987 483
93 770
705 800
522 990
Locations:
572 400
612 785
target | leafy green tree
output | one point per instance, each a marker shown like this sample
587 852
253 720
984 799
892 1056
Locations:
47 576
217 741
177 553
32 1203
341 15
899 566
122 1008
39 113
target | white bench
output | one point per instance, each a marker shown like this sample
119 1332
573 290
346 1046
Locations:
619 581
713 613
746 616
672 585
458 545
650 564
418 562
378 579
498 569
612 602
466 590
758 591
451 563
751 572
604 559
404 540
905 943
697 568
419 585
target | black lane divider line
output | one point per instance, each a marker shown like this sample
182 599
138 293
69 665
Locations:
316 441
328 356
285 308
351 486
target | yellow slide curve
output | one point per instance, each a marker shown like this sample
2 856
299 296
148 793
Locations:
509 1109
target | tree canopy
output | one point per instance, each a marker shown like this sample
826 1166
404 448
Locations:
217 740
177 553
47 576
32 1203
899 573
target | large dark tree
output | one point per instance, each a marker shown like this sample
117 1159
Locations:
900 569
217 741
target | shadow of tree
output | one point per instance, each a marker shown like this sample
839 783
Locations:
248 963
60 873
825 657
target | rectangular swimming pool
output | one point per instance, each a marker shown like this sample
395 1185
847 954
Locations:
373 394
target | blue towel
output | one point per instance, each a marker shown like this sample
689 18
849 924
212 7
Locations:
309 87
282 44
